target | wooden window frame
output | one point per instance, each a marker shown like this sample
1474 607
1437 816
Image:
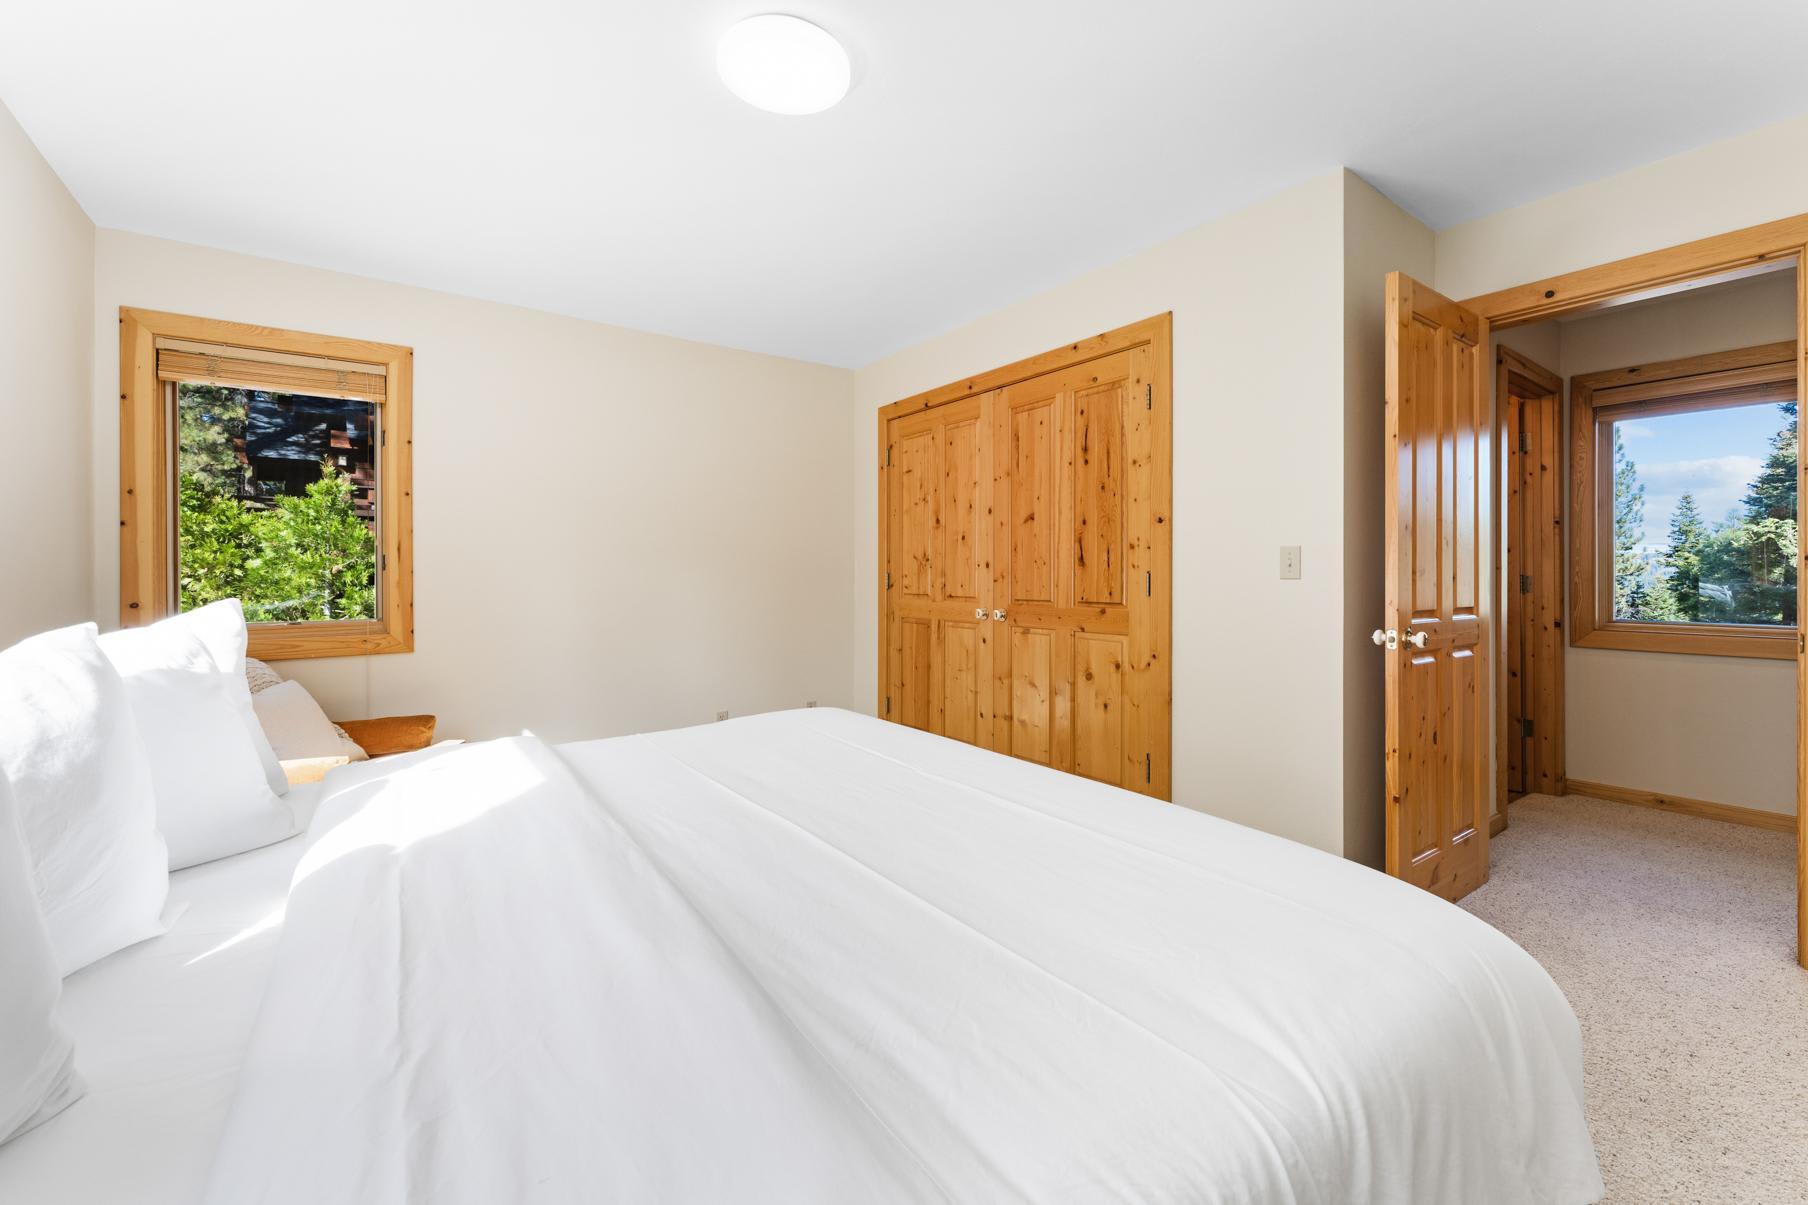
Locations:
1711 382
147 544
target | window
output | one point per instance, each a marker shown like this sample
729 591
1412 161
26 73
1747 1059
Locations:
269 466
1690 470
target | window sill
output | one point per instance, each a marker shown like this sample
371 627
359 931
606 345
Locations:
328 638
1708 640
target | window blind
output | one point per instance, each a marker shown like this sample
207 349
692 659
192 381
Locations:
1735 386
281 372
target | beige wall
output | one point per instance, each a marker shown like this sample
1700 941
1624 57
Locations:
1742 181
614 531
46 336
1714 728
1378 238
1260 460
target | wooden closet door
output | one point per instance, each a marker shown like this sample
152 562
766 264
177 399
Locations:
1075 683
937 634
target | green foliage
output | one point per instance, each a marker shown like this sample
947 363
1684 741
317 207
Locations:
1740 571
1631 589
287 558
210 422
218 539
319 557
307 557
1767 534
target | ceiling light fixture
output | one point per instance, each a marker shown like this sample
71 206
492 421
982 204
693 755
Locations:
783 64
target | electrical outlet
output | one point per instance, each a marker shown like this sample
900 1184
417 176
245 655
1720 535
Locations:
721 715
1290 559
809 702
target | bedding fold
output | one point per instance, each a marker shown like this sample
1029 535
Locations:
813 957
485 993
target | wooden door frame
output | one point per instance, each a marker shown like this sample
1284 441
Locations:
1728 256
1508 364
1156 333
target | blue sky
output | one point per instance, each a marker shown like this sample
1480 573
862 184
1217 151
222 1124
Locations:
1713 454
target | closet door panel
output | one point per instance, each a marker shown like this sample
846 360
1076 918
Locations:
1034 511
959 529
915 481
938 483
1032 708
1044 529
1099 492
960 681
1099 738
914 697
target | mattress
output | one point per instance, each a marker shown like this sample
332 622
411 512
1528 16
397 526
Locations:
161 1029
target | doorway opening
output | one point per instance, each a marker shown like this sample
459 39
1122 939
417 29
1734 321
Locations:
1672 686
1529 727
1717 597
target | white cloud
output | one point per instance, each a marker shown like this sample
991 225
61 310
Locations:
1718 483
1635 430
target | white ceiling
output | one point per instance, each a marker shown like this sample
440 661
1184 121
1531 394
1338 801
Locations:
583 157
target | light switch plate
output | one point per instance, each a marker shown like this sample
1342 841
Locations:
1290 558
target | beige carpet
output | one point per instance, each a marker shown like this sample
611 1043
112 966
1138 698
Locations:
1674 939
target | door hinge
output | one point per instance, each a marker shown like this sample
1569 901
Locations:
1525 728
1149 396
1525 442
1146 767
888 456
888 581
1525 583
386 561
1148 584
887 704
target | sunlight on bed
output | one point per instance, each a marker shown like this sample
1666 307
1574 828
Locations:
263 924
394 813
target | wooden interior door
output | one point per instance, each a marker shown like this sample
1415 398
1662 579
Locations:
1437 509
1073 680
1531 399
938 574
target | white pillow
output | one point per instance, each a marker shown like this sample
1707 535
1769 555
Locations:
296 726
221 627
260 677
37 1060
213 798
81 782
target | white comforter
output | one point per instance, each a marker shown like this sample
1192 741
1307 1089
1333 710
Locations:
813 957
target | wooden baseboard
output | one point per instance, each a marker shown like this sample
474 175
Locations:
1780 822
1497 824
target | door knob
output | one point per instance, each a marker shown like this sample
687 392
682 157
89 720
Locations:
1389 639
998 614
979 612
1417 639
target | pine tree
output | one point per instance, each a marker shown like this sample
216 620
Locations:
1688 538
1767 532
1630 593
210 423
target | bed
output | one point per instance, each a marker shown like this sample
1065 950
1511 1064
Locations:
161 1029
811 956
